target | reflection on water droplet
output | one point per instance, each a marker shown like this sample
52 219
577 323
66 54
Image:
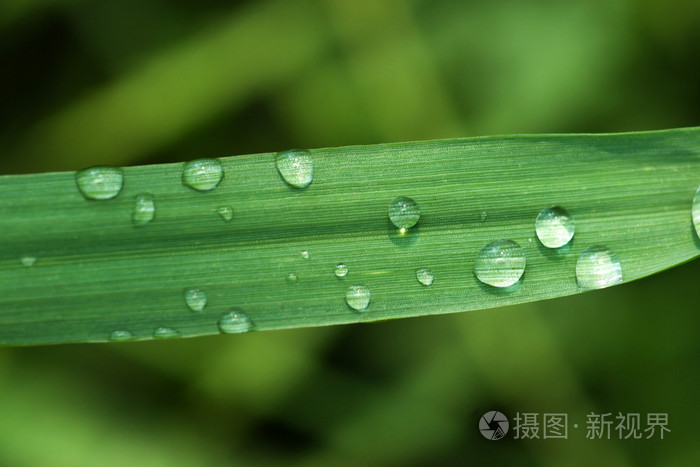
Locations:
501 263
292 277
296 167
404 213
196 299
120 336
27 261
202 174
226 213
554 227
341 270
305 254
234 322
357 297
100 183
144 209
598 267
696 211
425 276
165 333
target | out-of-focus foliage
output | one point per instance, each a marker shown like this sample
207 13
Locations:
141 81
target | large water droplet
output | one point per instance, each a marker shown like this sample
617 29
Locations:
357 297
100 183
296 167
425 276
598 267
202 174
144 209
27 261
165 333
696 211
404 212
234 322
341 270
120 336
226 213
501 263
554 227
196 299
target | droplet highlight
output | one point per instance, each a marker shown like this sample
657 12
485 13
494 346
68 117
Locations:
234 322
554 227
501 263
597 268
120 336
425 276
357 297
202 174
696 211
296 167
144 209
100 183
27 261
165 333
196 299
341 270
226 213
404 213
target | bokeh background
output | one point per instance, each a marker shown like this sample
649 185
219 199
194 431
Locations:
128 82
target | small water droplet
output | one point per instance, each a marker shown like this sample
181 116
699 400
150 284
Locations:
597 268
165 333
404 213
696 211
196 299
357 297
483 216
234 322
425 276
554 227
100 183
144 209
341 270
296 167
202 174
27 261
226 213
120 336
292 277
501 263
305 254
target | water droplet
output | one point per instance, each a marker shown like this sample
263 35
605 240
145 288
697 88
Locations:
196 299
598 267
341 270
235 321
483 216
165 333
501 263
27 261
404 212
226 213
144 209
305 254
120 336
425 276
100 183
554 227
696 211
296 167
357 297
292 277
202 174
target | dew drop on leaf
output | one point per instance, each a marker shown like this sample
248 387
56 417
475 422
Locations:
226 213
357 297
296 167
425 276
597 268
165 333
196 299
144 209
202 174
341 270
120 336
554 227
100 183
234 322
404 213
501 263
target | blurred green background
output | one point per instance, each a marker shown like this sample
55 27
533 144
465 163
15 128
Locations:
125 82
